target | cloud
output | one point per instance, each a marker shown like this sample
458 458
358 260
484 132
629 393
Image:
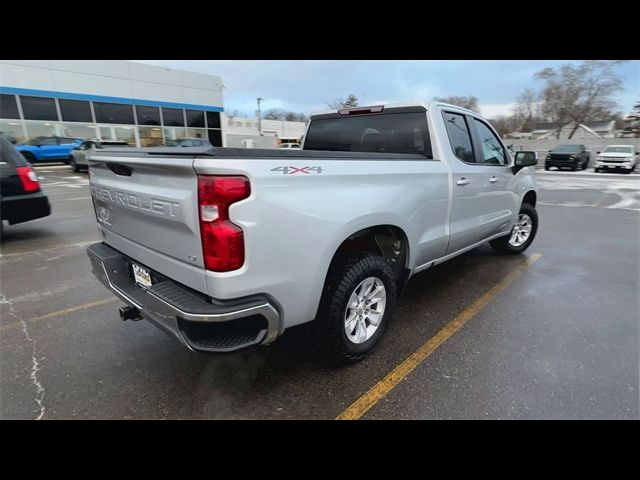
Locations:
496 110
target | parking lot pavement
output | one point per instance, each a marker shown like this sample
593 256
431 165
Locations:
559 340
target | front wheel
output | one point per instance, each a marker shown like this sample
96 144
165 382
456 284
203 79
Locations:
74 165
522 233
356 306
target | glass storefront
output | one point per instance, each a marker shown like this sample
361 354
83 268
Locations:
172 133
79 130
12 129
40 129
196 133
138 125
150 136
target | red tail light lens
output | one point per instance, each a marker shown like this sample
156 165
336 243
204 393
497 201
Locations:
28 178
222 240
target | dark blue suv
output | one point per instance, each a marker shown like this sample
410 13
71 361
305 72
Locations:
44 149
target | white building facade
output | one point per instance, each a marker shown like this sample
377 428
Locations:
245 132
108 99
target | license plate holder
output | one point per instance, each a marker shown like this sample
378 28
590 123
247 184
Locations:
141 276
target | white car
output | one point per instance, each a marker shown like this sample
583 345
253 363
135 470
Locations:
615 157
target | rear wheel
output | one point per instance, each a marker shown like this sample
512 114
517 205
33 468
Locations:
522 233
356 306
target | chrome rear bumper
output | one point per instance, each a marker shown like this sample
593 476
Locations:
200 323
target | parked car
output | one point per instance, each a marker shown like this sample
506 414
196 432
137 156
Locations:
615 157
21 198
46 149
575 157
225 248
79 154
290 146
188 142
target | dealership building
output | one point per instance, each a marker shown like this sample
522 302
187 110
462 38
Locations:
108 99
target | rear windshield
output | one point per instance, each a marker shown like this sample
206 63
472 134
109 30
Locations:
9 154
620 149
388 133
567 148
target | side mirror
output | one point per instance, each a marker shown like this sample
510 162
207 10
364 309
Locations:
525 159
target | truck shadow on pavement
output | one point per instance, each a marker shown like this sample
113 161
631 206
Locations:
291 379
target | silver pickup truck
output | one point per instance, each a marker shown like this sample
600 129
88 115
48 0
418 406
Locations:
226 248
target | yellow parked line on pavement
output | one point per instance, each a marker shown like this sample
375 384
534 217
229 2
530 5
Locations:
388 383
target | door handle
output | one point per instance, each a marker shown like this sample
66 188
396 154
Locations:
493 179
463 181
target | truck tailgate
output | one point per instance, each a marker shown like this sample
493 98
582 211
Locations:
147 208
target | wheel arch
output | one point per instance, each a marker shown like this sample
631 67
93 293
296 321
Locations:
531 197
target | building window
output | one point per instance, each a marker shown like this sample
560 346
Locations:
213 119
40 129
12 129
113 113
79 130
38 108
148 115
215 138
195 118
8 106
150 136
173 133
172 117
113 132
75 110
197 133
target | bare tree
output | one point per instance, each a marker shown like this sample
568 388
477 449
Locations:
349 102
504 124
632 122
526 111
469 102
579 93
236 113
281 114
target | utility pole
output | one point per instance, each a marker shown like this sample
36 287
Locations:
259 116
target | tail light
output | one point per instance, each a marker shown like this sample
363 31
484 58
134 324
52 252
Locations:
222 240
29 179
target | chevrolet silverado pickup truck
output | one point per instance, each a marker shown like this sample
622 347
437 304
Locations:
226 248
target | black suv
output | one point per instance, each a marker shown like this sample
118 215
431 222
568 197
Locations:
21 198
575 157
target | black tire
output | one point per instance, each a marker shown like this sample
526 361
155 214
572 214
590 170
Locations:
502 245
28 156
74 165
596 170
546 167
345 274
576 166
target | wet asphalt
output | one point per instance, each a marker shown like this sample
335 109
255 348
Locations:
559 342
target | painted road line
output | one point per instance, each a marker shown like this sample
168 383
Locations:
388 383
59 313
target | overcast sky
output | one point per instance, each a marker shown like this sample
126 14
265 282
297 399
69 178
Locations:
306 86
